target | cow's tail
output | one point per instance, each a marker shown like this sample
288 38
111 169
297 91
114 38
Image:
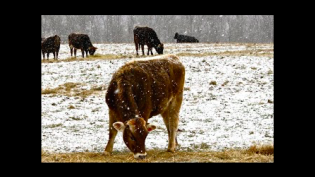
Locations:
111 96
57 40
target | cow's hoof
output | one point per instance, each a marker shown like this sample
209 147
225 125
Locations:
106 153
171 150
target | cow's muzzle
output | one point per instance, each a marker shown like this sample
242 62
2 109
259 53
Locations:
140 155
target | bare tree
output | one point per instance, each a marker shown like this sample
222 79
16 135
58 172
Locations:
206 28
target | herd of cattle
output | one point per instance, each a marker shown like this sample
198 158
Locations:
138 90
142 36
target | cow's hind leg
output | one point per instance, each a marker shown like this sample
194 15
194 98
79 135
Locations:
75 53
171 117
137 47
112 134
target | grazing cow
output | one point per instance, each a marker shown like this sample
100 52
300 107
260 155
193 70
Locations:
81 41
147 36
139 90
184 38
51 45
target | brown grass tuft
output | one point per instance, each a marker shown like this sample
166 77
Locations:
265 149
73 89
71 107
213 83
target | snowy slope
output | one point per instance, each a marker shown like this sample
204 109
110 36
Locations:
234 113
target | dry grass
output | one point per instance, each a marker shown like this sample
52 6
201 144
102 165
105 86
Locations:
72 89
252 52
90 58
252 154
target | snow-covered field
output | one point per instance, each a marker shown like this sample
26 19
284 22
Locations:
228 100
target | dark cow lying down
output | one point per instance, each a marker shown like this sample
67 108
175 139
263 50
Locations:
81 41
50 45
139 90
184 38
147 36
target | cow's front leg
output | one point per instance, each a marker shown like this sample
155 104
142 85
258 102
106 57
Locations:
82 53
71 51
43 55
112 134
57 53
75 53
142 47
48 56
54 55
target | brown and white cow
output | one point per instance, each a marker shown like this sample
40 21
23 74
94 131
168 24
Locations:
147 36
81 41
139 90
51 45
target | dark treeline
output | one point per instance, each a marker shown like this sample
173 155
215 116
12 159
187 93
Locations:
119 28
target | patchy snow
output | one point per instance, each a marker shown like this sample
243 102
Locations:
233 113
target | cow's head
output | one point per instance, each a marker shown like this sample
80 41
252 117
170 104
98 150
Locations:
176 34
160 48
92 50
135 132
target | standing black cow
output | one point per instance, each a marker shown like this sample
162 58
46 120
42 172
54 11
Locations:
183 38
147 36
81 41
51 45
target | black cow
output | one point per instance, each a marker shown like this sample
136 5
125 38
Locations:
183 38
81 41
51 45
147 36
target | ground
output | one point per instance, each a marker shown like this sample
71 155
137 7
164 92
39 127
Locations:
228 98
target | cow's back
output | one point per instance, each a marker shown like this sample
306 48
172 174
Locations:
51 44
145 86
144 34
79 41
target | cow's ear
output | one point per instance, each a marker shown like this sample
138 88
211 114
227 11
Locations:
119 126
151 127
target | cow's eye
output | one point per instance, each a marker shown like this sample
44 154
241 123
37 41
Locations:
132 138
